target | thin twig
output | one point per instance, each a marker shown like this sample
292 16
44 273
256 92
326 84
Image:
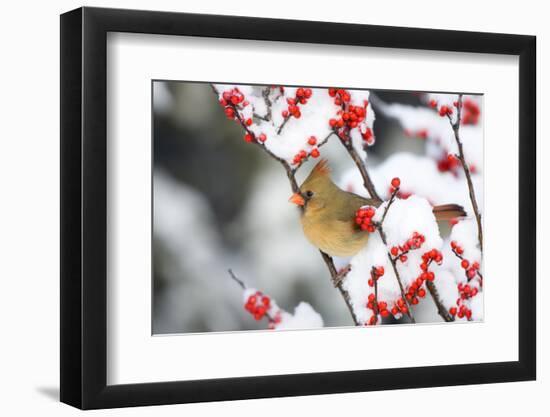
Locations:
456 130
237 280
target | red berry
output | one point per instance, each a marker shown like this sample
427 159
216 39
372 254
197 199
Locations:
403 258
379 271
229 112
262 137
394 251
315 153
422 292
396 182
464 263
452 311
265 300
248 122
248 137
285 114
312 140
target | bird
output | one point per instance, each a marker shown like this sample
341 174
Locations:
328 213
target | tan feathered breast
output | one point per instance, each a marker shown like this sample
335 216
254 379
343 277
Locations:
336 235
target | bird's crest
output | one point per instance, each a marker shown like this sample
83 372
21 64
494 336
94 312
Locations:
322 167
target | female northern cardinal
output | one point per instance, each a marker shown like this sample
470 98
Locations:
328 216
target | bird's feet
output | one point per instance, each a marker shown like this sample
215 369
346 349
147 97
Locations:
339 277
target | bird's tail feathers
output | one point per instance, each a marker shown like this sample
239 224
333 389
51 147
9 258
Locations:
448 211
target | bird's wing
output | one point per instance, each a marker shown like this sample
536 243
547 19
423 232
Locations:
350 203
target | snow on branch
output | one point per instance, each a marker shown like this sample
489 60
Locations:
262 306
399 259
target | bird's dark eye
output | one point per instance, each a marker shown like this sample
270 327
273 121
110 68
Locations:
309 194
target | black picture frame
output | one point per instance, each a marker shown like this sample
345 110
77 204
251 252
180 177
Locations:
84 207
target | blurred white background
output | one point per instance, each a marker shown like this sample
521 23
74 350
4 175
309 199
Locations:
29 215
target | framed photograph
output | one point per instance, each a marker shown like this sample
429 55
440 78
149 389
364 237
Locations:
256 208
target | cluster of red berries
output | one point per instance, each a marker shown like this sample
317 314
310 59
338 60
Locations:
377 307
363 218
340 95
399 308
350 116
258 305
376 272
466 291
232 97
414 242
417 289
232 101
444 110
448 163
300 156
419 134
471 270
462 311
301 97
470 113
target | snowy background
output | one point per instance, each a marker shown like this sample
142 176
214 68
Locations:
220 203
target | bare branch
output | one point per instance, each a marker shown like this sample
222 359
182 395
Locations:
443 312
456 130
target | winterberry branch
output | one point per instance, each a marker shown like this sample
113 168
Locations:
393 260
237 280
290 173
244 287
441 310
456 130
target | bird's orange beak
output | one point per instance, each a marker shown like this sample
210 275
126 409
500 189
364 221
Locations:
297 199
